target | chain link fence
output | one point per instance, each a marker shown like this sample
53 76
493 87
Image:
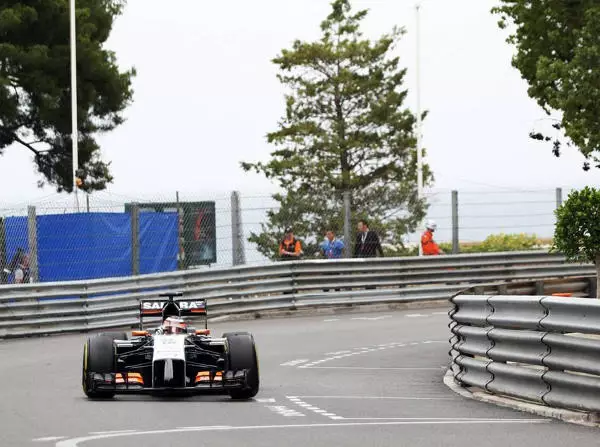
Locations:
113 235
471 216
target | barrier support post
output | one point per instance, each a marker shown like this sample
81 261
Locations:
455 242
3 261
238 255
347 225
135 239
33 247
558 197
539 288
592 287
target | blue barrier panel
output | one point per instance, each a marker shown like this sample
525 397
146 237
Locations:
16 237
84 246
158 242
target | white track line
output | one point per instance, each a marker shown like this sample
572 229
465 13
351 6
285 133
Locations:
296 400
377 397
49 439
285 411
357 351
294 362
371 318
373 368
472 420
76 442
110 432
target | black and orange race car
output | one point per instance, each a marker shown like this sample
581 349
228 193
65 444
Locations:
172 358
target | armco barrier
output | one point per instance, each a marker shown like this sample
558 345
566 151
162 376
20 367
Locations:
50 308
543 349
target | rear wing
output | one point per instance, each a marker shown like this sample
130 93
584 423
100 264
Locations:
171 307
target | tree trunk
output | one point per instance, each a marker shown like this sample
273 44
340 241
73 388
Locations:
598 275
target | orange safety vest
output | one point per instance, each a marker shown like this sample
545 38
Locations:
429 246
289 245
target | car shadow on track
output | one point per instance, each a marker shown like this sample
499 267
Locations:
178 399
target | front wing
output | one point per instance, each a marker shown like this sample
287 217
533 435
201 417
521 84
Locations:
115 383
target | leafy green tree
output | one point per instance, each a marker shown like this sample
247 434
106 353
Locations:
577 231
308 215
558 54
35 92
345 129
311 214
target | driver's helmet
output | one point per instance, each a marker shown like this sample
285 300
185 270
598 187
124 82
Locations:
174 325
431 225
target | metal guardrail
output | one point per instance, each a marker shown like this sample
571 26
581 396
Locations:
49 308
543 349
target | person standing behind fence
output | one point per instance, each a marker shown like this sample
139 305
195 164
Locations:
430 248
367 242
332 248
290 248
19 266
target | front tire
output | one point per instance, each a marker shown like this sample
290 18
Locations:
98 357
241 354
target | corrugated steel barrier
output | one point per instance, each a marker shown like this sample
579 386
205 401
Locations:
543 349
49 308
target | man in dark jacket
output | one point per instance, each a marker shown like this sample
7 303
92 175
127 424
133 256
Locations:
367 242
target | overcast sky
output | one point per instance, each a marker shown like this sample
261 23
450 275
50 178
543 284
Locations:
206 94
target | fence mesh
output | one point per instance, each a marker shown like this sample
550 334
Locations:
482 213
114 235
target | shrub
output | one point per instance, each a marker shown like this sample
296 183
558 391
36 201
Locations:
499 242
509 242
577 231
399 250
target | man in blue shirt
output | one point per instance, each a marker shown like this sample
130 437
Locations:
332 248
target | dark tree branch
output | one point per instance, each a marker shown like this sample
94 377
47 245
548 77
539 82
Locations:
28 145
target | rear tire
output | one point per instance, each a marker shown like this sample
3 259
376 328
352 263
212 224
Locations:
115 335
98 357
241 354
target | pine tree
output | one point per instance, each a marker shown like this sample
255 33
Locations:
35 89
345 129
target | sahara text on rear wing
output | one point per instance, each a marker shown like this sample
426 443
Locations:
171 307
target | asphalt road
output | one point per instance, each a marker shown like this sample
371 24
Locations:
370 379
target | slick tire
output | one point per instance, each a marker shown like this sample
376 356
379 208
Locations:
241 354
98 357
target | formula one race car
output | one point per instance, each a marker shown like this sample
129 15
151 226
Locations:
173 358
